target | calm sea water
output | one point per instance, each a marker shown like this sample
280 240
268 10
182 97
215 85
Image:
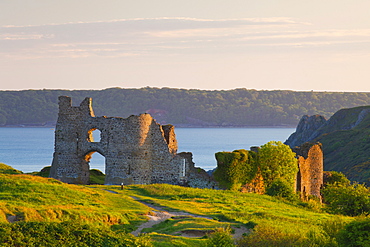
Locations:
31 149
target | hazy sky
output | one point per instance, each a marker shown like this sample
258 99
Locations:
207 44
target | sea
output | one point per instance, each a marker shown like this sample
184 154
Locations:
31 149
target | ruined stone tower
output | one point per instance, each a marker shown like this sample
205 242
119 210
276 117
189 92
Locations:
310 177
137 150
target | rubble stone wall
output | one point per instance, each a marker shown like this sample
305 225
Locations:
137 150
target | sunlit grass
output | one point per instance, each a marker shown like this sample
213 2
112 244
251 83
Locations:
247 208
36 199
33 198
164 240
176 225
5 169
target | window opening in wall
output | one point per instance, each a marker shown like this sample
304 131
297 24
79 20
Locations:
94 135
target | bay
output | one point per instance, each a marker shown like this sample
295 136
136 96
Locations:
31 149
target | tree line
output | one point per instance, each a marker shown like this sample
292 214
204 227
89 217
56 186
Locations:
182 107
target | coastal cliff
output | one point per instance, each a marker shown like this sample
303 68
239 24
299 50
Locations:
345 137
306 130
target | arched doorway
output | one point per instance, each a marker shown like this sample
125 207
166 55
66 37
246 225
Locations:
96 163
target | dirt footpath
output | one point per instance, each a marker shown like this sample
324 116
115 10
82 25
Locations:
158 215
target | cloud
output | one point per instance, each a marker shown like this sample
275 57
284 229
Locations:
142 37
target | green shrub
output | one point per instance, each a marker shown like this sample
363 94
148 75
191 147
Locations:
355 234
236 168
267 236
65 234
346 199
281 188
143 240
331 177
313 203
332 226
220 238
319 239
327 234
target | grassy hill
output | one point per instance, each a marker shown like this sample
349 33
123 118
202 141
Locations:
33 198
5 169
347 150
36 210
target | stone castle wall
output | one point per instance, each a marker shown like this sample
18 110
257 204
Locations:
310 177
137 150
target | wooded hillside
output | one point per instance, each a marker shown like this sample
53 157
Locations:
181 107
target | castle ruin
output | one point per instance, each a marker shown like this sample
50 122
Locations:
310 177
137 150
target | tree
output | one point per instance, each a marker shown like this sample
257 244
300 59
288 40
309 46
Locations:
236 168
281 188
356 233
277 161
332 177
347 199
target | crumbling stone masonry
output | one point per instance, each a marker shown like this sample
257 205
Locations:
137 150
310 177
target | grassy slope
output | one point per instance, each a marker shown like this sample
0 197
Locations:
33 198
39 199
5 169
347 151
246 208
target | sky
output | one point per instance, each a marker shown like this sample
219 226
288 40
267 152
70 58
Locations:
203 44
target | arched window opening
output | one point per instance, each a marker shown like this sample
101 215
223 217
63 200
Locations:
97 167
94 135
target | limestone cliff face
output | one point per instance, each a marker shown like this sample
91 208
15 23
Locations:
345 139
311 127
306 130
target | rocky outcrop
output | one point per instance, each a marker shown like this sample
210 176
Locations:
306 130
311 127
360 117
